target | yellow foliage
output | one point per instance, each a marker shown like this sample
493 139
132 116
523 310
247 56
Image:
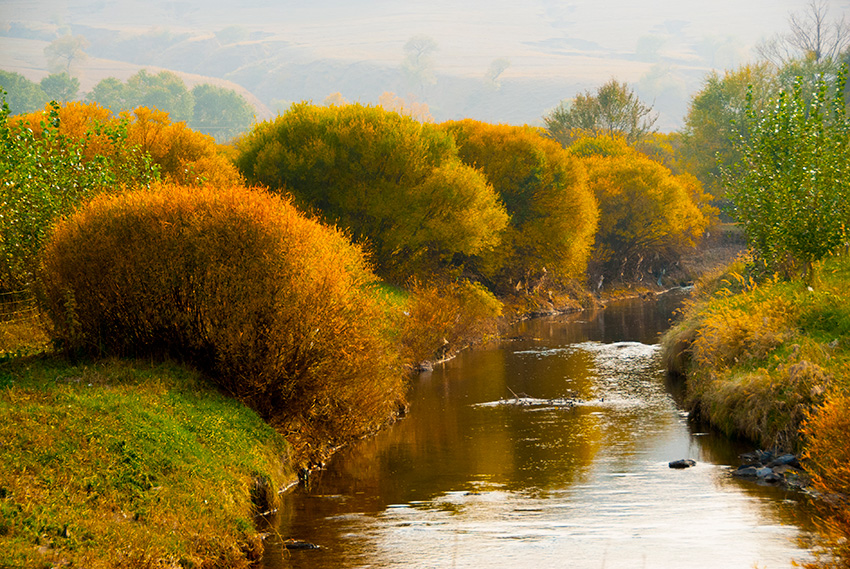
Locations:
183 155
395 183
544 188
647 214
442 318
236 281
731 334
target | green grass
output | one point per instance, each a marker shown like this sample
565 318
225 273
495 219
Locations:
763 355
117 464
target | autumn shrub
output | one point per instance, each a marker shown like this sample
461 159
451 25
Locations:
441 318
647 215
51 162
827 458
185 156
396 184
274 305
553 214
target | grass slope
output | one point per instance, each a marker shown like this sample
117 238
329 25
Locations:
760 357
128 464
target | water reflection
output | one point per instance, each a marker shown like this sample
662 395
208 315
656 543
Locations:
461 484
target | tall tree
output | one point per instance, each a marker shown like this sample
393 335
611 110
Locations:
791 186
60 87
613 109
812 35
717 117
65 52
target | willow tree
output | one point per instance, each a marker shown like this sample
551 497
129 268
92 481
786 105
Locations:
396 184
544 188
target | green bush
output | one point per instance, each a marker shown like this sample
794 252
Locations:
46 174
394 183
275 306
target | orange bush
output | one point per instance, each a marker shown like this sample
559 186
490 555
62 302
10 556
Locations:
184 156
272 304
827 457
443 318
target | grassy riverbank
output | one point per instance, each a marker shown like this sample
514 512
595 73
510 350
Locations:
759 357
129 464
770 361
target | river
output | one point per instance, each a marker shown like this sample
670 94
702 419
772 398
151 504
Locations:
471 479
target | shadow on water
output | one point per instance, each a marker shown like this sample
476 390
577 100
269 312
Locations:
471 479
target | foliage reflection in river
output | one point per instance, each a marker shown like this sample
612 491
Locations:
461 484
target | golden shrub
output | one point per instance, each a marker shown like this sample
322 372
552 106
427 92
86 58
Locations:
544 188
827 458
274 305
184 156
442 318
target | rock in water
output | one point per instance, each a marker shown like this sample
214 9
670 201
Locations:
293 544
682 463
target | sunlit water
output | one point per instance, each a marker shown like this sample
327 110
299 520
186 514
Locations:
472 479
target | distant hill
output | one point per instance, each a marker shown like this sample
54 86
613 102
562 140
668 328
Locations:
280 51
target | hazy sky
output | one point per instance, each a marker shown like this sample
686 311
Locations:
664 47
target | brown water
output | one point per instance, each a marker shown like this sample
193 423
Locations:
469 481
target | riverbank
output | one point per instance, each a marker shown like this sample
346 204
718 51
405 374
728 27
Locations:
759 357
151 460
770 362
130 464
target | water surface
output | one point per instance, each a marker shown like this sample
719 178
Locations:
473 479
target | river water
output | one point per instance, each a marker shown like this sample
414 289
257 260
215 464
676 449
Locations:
494 467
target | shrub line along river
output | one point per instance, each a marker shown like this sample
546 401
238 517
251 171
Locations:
576 476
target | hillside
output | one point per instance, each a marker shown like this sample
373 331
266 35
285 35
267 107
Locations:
281 52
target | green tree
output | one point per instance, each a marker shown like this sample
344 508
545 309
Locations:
717 117
791 185
60 87
22 95
393 182
222 113
65 52
613 109
112 94
164 91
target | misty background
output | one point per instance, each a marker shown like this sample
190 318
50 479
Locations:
496 61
